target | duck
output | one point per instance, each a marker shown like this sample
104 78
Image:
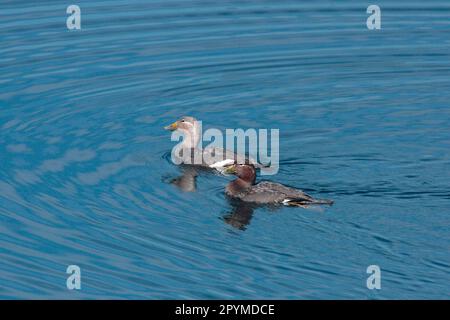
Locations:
190 128
247 190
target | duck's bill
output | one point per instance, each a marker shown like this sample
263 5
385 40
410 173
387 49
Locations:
230 169
172 126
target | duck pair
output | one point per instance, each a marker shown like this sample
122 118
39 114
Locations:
244 188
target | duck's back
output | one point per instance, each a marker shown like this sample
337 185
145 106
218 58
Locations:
271 192
212 155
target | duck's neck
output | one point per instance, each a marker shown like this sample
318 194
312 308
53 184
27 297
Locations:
239 185
191 137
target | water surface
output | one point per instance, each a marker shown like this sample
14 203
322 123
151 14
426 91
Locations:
363 115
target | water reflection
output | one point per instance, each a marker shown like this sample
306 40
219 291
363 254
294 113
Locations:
241 212
240 215
187 181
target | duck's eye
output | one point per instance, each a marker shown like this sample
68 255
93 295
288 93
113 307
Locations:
182 120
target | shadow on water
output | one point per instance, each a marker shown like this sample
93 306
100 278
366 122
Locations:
241 212
240 215
187 181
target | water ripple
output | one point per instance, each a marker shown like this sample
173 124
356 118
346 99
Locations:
86 176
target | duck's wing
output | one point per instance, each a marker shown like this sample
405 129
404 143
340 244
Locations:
271 192
189 156
218 157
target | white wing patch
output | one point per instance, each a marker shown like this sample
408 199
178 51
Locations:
221 164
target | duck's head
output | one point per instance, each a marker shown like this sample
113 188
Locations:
245 172
190 128
184 124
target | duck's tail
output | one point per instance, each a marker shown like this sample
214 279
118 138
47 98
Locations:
304 202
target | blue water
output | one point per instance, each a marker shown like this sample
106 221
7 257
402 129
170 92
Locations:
364 119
